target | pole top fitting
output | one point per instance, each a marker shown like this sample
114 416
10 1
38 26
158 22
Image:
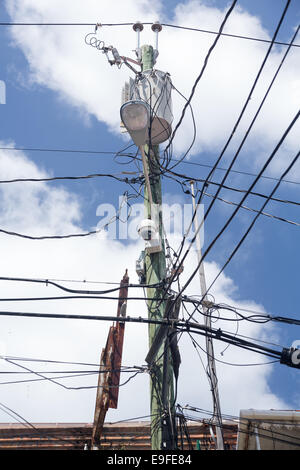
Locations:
137 27
156 27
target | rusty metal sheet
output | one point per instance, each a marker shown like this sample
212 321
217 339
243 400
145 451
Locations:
110 366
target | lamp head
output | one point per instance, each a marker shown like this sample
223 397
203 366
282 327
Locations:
135 115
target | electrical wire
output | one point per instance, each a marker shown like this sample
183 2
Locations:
59 377
239 204
236 155
231 188
27 424
272 216
73 297
196 344
245 106
228 13
257 318
49 282
59 150
239 120
240 420
53 381
251 38
253 221
75 178
134 158
186 28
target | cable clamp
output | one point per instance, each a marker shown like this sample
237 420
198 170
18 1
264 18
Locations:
219 333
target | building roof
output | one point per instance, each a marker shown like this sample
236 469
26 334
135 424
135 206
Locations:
269 430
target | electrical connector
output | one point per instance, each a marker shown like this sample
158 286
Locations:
290 357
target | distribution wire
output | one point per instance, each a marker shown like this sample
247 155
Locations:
27 424
59 377
241 420
243 110
253 222
236 155
186 28
266 214
180 326
245 106
91 387
292 123
74 235
140 179
201 72
294 443
188 179
196 344
241 115
258 317
50 282
74 178
133 157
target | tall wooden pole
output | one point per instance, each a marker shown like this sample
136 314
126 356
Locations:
161 377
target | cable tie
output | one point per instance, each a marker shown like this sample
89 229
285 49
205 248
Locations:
219 333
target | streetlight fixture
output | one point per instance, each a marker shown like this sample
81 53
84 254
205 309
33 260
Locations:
135 115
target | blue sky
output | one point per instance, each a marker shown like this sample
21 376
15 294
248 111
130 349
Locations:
41 114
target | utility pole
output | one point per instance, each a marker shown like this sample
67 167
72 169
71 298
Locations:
209 344
161 376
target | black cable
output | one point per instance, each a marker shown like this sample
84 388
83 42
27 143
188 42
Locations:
245 106
239 172
231 363
49 282
26 423
254 220
133 157
52 380
240 117
266 214
59 150
73 178
227 338
239 420
237 208
186 28
180 326
202 71
73 297
230 188
59 377
260 434
181 159
52 237
260 317
30 359
228 35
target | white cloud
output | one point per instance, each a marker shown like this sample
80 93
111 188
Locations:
82 341
60 60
